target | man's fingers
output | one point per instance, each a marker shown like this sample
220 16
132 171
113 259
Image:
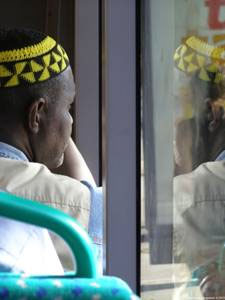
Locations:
213 286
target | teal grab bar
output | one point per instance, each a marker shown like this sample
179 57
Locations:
38 214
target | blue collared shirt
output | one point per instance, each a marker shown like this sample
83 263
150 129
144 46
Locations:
8 151
221 156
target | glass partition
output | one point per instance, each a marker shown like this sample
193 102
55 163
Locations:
183 169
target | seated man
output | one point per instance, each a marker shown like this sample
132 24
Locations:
200 103
37 90
206 142
199 196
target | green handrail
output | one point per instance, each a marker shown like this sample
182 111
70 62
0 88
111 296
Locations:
38 214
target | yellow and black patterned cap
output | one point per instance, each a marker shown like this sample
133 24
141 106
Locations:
197 56
32 64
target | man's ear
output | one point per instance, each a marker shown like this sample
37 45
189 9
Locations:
216 114
35 114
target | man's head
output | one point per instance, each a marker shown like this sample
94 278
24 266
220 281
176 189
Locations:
200 90
36 92
202 68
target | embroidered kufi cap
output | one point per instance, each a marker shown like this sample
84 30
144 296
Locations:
35 59
197 56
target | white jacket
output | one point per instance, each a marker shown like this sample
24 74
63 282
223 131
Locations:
28 248
34 181
199 214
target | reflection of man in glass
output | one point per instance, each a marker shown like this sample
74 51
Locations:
199 196
200 95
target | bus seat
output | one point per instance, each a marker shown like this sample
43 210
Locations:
85 283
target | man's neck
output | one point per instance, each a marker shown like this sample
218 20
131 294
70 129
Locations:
16 139
216 144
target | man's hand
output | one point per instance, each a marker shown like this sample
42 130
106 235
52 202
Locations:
213 286
74 165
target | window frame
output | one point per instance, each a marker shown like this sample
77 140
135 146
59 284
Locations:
121 149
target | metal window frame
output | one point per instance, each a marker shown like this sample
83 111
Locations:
105 74
121 141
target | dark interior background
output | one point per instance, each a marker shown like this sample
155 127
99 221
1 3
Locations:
54 17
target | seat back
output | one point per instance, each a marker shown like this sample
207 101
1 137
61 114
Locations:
85 284
41 215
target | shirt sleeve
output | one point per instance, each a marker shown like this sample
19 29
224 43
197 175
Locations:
95 226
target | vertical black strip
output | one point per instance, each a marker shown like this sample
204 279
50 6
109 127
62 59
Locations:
100 89
102 115
73 63
148 129
58 25
138 144
52 21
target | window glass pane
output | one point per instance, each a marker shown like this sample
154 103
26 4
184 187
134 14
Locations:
183 143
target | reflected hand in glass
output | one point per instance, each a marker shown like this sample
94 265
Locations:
213 286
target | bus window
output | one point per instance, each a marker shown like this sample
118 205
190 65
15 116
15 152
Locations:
183 173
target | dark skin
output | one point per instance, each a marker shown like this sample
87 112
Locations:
74 165
199 141
210 144
213 286
50 124
44 135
